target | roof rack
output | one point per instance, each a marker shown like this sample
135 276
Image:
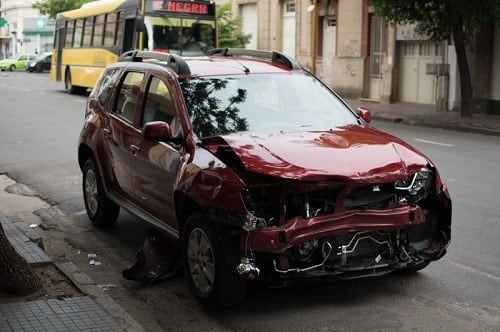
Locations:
173 61
275 57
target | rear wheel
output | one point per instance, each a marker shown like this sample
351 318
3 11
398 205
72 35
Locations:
100 209
212 280
68 84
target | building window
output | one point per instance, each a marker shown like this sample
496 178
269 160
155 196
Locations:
290 7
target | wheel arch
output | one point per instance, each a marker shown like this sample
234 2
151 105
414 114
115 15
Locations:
184 207
84 153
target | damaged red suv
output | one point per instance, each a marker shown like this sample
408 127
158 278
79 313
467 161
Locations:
258 170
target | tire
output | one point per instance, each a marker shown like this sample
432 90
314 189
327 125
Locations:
38 68
213 282
68 85
100 209
67 82
12 67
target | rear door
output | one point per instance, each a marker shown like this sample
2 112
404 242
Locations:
122 135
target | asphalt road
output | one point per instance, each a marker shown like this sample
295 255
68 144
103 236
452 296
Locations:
39 128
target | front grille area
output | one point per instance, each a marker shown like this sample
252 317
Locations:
362 244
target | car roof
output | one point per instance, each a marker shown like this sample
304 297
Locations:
218 62
215 65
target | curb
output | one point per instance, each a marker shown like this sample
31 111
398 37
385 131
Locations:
89 287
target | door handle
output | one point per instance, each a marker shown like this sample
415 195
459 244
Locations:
134 149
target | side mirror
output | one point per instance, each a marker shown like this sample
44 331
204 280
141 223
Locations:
364 114
157 131
160 131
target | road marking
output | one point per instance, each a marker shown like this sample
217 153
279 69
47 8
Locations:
475 271
431 142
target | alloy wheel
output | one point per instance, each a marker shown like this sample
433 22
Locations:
201 260
91 192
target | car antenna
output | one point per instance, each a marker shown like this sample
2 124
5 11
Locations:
245 68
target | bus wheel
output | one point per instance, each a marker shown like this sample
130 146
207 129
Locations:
68 85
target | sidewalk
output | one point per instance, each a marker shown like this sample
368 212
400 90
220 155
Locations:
91 310
426 115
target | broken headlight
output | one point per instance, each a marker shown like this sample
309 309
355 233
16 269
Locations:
417 183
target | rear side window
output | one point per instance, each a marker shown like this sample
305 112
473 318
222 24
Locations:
105 87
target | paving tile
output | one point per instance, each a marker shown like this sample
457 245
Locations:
69 314
26 248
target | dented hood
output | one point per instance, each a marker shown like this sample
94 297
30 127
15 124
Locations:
348 153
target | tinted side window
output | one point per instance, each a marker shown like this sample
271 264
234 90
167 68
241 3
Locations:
127 96
106 85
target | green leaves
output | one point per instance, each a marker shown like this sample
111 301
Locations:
52 7
229 29
439 19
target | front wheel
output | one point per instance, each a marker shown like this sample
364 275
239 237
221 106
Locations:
213 282
100 209
12 67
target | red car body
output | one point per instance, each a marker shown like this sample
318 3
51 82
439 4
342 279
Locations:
341 201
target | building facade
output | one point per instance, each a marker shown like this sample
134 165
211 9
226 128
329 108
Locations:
24 30
352 50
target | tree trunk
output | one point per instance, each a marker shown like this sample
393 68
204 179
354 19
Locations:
463 67
16 277
465 80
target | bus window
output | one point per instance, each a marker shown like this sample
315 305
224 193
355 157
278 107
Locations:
180 36
87 31
69 33
98 28
119 29
110 30
77 40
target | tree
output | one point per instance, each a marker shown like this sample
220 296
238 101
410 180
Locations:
229 29
457 20
15 274
52 7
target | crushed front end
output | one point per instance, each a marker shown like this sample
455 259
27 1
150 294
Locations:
348 229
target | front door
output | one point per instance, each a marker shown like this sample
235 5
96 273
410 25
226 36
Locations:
158 163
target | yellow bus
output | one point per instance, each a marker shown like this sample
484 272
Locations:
89 38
